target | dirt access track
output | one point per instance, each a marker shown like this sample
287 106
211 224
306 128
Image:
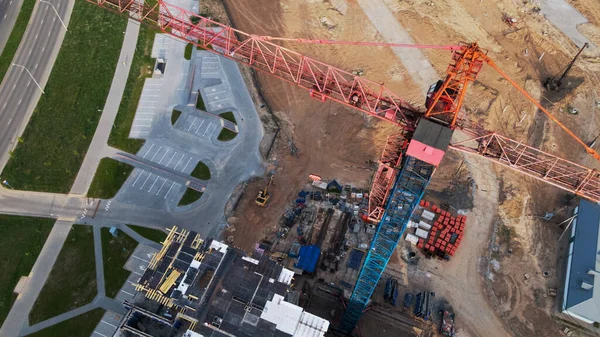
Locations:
337 142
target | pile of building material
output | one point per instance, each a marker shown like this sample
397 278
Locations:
423 304
438 232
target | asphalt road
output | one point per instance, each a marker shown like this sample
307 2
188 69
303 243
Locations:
9 10
18 92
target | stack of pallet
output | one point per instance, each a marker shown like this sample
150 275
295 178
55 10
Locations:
446 232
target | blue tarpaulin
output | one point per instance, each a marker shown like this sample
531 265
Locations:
309 256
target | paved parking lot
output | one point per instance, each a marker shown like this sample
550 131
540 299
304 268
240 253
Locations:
218 97
200 126
146 109
107 325
136 264
210 66
161 91
154 184
156 190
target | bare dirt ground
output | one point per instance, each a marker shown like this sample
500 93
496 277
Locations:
336 142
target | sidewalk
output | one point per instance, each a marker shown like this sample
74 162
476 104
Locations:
17 320
98 148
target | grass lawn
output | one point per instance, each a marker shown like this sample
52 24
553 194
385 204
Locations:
12 44
109 178
72 281
78 326
21 240
226 135
187 54
175 116
189 197
115 252
200 102
228 116
141 68
63 123
201 171
155 235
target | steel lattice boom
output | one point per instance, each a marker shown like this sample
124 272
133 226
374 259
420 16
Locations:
409 159
406 194
322 80
535 163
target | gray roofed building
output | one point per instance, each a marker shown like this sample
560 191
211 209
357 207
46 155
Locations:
581 298
197 288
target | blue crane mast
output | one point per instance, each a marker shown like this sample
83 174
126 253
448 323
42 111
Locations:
421 157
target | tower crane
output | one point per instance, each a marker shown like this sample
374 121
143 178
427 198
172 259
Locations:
411 156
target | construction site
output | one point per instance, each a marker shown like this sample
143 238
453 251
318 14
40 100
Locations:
425 163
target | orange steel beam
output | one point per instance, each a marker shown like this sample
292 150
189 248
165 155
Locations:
534 101
447 101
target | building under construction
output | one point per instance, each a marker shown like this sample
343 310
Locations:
196 288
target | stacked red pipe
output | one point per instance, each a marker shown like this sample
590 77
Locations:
446 232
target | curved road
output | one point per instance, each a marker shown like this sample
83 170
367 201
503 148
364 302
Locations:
18 92
9 10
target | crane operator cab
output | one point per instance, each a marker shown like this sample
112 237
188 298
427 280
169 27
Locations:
445 101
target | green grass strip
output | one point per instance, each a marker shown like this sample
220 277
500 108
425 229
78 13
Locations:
187 54
175 116
226 135
109 178
62 125
12 44
142 66
72 281
228 116
189 197
21 240
78 326
200 102
201 171
115 252
152 234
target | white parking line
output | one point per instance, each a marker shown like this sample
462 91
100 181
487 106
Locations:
28 84
220 100
194 121
138 177
199 126
180 159
155 180
139 258
169 191
157 151
187 164
150 175
130 294
160 189
151 146
163 157
103 335
204 134
105 322
171 158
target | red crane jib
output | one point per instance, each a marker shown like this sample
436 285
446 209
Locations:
326 82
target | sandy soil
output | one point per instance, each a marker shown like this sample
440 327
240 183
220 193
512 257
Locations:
336 142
